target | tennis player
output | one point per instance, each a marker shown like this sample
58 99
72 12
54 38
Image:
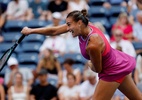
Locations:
114 67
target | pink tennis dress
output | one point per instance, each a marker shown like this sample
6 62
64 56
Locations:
115 64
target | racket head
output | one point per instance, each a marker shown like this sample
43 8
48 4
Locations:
4 58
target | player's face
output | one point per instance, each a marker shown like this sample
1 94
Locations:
73 26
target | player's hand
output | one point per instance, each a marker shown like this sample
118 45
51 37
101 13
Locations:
26 31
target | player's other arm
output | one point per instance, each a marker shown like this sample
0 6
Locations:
50 31
94 49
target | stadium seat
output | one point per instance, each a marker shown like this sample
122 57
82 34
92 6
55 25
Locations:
14 25
11 36
34 38
77 57
112 20
116 10
137 45
103 20
28 58
96 2
30 66
31 47
97 11
35 23
5 46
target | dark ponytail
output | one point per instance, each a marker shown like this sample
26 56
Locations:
79 15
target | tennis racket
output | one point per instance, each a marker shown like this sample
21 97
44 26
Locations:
8 53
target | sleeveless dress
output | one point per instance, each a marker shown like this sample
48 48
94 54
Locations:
19 96
115 64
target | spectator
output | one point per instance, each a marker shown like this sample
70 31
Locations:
18 91
137 27
67 64
13 68
55 42
72 43
139 4
123 24
108 3
2 19
69 91
139 67
37 10
51 64
2 92
16 10
58 6
78 5
87 88
43 90
126 45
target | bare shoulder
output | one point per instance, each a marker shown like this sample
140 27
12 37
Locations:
95 42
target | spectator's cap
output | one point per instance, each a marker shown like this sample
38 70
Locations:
42 72
12 61
89 73
57 15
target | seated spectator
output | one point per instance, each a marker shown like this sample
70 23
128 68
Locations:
58 6
16 10
51 64
139 67
69 91
2 19
55 42
123 24
13 68
87 88
72 43
37 10
2 92
18 91
67 64
120 43
137 27
108 3
77 5
43 90
139 4
102 28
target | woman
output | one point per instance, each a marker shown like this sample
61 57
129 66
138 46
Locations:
113 66
68 65
50 63
69 91
123 24
18 91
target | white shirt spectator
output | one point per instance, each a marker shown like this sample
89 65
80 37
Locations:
87 89
137 30
69 92
75 71
127 47
26 73
55 43
72 43
17 10
78 6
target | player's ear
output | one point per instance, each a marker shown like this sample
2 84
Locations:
79 23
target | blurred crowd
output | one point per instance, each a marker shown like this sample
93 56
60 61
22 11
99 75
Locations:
52 78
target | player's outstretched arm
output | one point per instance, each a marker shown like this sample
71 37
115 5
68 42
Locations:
51 31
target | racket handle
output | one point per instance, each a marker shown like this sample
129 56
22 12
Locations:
21 38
